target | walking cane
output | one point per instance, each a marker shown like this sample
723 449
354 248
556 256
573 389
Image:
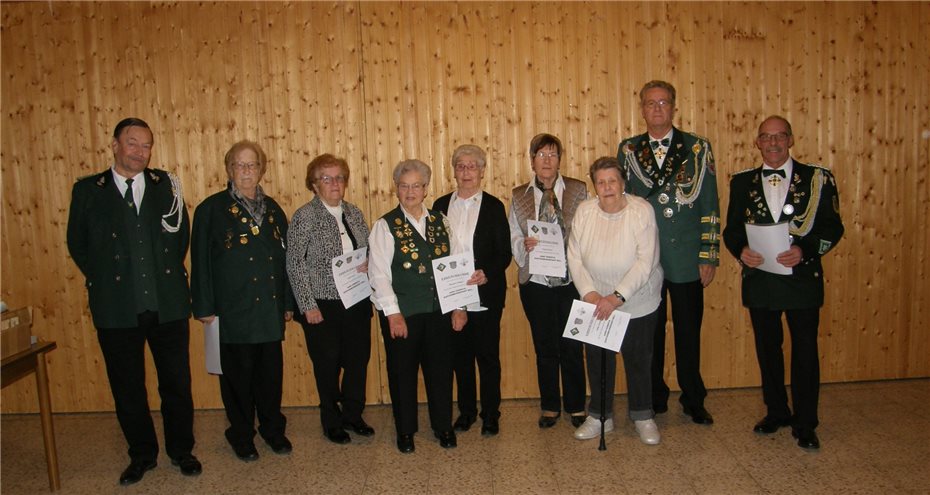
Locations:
603 445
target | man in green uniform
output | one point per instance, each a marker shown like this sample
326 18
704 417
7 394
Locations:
805 196
128 232
674 171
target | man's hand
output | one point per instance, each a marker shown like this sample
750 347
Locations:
707 273
750 258
791 257
207 319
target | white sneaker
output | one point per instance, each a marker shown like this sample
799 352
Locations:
648 431
591 428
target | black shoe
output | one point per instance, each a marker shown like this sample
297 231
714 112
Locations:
189 464
660 408
490 427
446 439
770 425
360 427
246 451
464 422
578 420
548 421
337 435
699 415
280 445
807 439
135 471
405 443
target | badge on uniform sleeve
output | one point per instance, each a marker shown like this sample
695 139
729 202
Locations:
825 246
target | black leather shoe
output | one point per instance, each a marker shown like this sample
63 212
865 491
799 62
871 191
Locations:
405 443
464 422
578 420
770 425
446 439
548 421
337 435
246 451
280 445
189 464
360 427
699 415
490 427
807 439
135 471
660 408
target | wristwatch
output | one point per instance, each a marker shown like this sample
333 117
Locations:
620 296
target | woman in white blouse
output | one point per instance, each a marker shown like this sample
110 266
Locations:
613 256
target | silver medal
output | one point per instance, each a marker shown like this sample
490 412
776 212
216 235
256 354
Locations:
788 209
663 199
668 213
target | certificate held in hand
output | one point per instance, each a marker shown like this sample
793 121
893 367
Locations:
548 257
352 284
451 274
583 326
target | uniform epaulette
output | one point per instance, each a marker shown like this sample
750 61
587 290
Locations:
821 167
744 171
700 137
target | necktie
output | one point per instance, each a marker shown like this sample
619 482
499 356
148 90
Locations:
549 211
128 196
655 143
768 171
349 231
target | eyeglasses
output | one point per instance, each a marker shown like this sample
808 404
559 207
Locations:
781 137
339 179
462 167
251 166
543 154
652 104
416 186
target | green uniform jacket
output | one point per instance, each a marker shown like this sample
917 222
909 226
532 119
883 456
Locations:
683 194
98 243
238 269
815 226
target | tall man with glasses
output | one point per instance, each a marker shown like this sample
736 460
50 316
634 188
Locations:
674 170
805 196
128 232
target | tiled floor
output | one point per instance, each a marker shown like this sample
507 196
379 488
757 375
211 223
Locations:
875 437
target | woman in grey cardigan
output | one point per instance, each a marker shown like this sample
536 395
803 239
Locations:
338 338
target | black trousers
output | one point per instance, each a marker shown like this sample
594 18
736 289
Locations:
124 355
250 383
547 310
341 343
479 341
805 364
428 344
687 314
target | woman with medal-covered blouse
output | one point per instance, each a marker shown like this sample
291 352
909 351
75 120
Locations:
403 244
238 276
338 338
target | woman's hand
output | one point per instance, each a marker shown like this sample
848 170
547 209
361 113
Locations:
288 315
477 278
398 326
314 316
459 319
207 319
363 268
529 243
605 306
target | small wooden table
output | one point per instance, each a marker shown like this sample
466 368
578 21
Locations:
21 364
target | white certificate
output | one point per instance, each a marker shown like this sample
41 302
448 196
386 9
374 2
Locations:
211 346
548 257
583 326
769 241
352 284
451 274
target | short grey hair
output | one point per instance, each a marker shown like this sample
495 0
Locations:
412 165
469 150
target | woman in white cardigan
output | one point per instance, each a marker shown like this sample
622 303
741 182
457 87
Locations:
613 256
